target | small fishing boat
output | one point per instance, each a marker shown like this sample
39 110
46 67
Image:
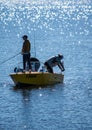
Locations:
36 77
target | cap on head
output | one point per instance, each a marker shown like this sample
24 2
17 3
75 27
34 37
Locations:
60 55
25 36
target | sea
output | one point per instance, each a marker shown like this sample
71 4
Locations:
53 27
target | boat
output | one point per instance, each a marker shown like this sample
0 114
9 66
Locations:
37 77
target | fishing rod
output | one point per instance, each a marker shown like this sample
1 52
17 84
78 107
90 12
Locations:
9 58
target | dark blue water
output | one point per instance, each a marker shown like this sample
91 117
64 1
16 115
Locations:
52 27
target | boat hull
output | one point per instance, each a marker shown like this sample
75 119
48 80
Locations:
36 78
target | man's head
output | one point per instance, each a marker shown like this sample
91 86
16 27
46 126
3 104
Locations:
60 56
25 37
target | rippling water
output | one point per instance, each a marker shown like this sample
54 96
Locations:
52 27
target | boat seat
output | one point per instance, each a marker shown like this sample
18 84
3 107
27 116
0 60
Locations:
35 63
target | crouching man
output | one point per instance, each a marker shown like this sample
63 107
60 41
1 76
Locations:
54 61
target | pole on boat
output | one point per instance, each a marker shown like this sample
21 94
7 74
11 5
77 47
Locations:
9 58
34 41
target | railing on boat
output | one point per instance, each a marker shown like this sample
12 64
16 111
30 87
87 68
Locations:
35 66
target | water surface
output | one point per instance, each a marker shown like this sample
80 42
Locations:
52 27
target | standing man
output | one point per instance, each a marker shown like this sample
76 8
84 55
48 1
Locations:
26 52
